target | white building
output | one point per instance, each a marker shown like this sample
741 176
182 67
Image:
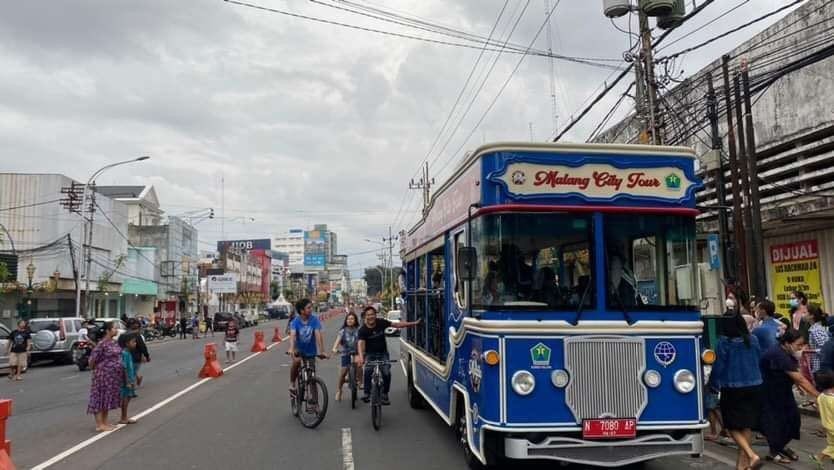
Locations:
293 244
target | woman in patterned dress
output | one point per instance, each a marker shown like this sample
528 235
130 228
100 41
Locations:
108 375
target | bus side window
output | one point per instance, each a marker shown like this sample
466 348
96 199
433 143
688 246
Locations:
435 315
460 291
421 298
410 298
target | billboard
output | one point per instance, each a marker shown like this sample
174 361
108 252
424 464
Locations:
223 283
244 245
315 249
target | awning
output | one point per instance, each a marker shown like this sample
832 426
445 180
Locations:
139 287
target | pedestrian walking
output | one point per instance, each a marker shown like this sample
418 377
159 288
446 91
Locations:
183 326
195 327
818 335
129 381
780 420
107 378
737 377
825 404
140 353
345 344
230 339
769 329
209 325
20 343
799 305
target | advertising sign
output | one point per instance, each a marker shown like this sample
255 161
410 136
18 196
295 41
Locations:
596 181
223 283
795 266
315 249
244 245
714 258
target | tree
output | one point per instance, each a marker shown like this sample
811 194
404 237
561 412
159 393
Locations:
289 295
274 290
4 272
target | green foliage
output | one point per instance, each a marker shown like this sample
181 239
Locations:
5 274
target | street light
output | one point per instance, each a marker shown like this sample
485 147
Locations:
30 274
89 230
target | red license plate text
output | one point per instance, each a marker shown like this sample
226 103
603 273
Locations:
609 428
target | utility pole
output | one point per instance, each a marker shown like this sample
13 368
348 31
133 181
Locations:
89 247
738 225
757 259
727 258
745 186
390 241
424 183
647 79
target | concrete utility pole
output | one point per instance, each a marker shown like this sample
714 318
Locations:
752 272
424 183
759 283
727 253
390 241
646 83
738 225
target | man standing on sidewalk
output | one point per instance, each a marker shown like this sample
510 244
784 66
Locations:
20 342
231 340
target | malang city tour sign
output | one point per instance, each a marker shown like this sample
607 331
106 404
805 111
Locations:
599 181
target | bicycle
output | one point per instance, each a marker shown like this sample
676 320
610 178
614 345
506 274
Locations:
354 391
376 391
309 403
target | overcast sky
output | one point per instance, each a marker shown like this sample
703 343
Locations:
304 122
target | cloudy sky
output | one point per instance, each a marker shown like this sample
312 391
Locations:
304 122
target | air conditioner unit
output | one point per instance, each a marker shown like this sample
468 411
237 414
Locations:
616 8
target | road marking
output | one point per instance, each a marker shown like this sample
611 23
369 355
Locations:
347 450
72 450
70 377
720 458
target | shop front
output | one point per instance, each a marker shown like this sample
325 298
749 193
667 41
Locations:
801 261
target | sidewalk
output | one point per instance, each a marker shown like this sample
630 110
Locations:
808 445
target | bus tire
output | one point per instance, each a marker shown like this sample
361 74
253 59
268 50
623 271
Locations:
469 457
415 400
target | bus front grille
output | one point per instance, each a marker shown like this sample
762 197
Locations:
605 377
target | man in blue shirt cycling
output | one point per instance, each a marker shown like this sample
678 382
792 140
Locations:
306 339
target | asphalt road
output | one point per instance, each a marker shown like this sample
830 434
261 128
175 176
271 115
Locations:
241 420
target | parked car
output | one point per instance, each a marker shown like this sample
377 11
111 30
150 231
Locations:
279 311
120 325
4 346
242 322
393 316
221 320
251 317
54 338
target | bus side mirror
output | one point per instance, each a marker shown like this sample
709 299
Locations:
467 263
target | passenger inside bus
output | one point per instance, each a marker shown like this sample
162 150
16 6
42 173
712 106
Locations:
623 285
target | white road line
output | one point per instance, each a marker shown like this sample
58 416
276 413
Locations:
347 450
97 437
70 377
720 458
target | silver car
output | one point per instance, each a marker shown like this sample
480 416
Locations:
4 347
54 338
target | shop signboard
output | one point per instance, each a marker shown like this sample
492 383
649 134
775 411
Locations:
795 266
223 283
315 249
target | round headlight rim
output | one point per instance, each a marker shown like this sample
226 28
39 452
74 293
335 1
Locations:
516 388
676 380
560 373
654 373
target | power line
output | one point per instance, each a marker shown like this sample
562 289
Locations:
24 206
722 15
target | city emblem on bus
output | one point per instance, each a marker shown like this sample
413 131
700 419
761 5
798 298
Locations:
519 177
673 181
540 354
665 353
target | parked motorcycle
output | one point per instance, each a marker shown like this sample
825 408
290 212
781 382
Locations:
81 354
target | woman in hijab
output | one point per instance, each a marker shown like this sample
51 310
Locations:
736 374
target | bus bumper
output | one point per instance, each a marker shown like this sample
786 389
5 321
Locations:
605 453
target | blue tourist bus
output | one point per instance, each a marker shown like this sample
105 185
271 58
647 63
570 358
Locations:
556 286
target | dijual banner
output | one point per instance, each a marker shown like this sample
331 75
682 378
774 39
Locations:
795 266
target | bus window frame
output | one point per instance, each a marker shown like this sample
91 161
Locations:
457 285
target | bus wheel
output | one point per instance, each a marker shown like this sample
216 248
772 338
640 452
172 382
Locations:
415 400
460 431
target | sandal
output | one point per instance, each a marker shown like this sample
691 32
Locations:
779 458
755 464
790 454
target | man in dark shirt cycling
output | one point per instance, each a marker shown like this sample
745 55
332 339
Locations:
373 347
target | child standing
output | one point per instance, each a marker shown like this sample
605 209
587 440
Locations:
825 404
346 344
129 384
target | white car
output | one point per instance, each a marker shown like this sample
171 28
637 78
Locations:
394 317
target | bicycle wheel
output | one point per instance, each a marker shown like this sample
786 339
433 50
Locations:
295 400
376 406
352 383
313 407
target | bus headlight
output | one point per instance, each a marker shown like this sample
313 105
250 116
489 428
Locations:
684 381
652 378
523 382
560 378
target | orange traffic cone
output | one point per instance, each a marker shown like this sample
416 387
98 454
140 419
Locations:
5 446
212 367
276 338
259 345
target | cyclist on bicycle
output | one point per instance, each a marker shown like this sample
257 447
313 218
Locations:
346 345
306 339
373 347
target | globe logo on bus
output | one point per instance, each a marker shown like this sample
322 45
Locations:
664 353
519 177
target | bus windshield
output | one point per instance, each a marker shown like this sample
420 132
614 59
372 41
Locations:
649 259
533 261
